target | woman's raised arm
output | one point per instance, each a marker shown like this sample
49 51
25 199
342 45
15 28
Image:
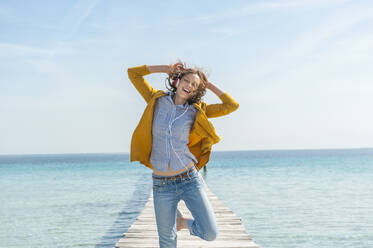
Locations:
136 75
227 106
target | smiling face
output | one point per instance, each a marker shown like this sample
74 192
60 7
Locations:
188 86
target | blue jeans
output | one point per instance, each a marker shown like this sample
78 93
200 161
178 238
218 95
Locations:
167 194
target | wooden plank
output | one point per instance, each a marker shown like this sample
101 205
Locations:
232 234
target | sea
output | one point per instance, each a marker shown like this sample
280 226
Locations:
286 198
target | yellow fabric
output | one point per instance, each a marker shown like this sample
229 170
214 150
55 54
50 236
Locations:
202 134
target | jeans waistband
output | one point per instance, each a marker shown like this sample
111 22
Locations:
191 171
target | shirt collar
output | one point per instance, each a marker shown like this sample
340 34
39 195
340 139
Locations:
171 94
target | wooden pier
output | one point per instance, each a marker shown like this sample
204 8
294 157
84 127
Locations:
143 232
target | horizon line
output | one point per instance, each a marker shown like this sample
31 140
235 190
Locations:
243 150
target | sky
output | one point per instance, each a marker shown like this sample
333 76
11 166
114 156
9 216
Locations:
300 70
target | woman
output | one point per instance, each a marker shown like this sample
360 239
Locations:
174 139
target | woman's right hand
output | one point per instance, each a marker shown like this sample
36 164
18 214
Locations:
177 67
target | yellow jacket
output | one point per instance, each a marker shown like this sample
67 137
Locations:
202 134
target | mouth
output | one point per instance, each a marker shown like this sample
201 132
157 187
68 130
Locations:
187 91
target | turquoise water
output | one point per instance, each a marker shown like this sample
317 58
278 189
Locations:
286 198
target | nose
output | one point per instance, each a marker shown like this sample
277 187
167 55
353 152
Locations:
189 84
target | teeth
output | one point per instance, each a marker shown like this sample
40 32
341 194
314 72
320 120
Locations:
186 90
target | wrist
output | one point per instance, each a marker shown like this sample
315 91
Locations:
209 85
215 89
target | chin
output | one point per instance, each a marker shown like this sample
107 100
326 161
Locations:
182 95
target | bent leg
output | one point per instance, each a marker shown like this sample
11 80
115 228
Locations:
203 223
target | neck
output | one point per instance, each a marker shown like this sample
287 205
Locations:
177 100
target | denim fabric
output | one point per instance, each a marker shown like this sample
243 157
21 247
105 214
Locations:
170 134
167 194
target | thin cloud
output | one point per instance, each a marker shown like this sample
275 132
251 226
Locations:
73 20
226 31
312 47
4 11
16 50
250 9
336 25
84 14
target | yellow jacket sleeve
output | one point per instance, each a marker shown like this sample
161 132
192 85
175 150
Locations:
136 75
227 106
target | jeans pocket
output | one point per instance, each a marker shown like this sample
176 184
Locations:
159 185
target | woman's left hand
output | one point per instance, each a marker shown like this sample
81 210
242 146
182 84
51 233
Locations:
211 86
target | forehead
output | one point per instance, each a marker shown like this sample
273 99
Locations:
192 77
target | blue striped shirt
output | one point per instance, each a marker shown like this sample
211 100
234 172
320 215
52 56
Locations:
170 131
